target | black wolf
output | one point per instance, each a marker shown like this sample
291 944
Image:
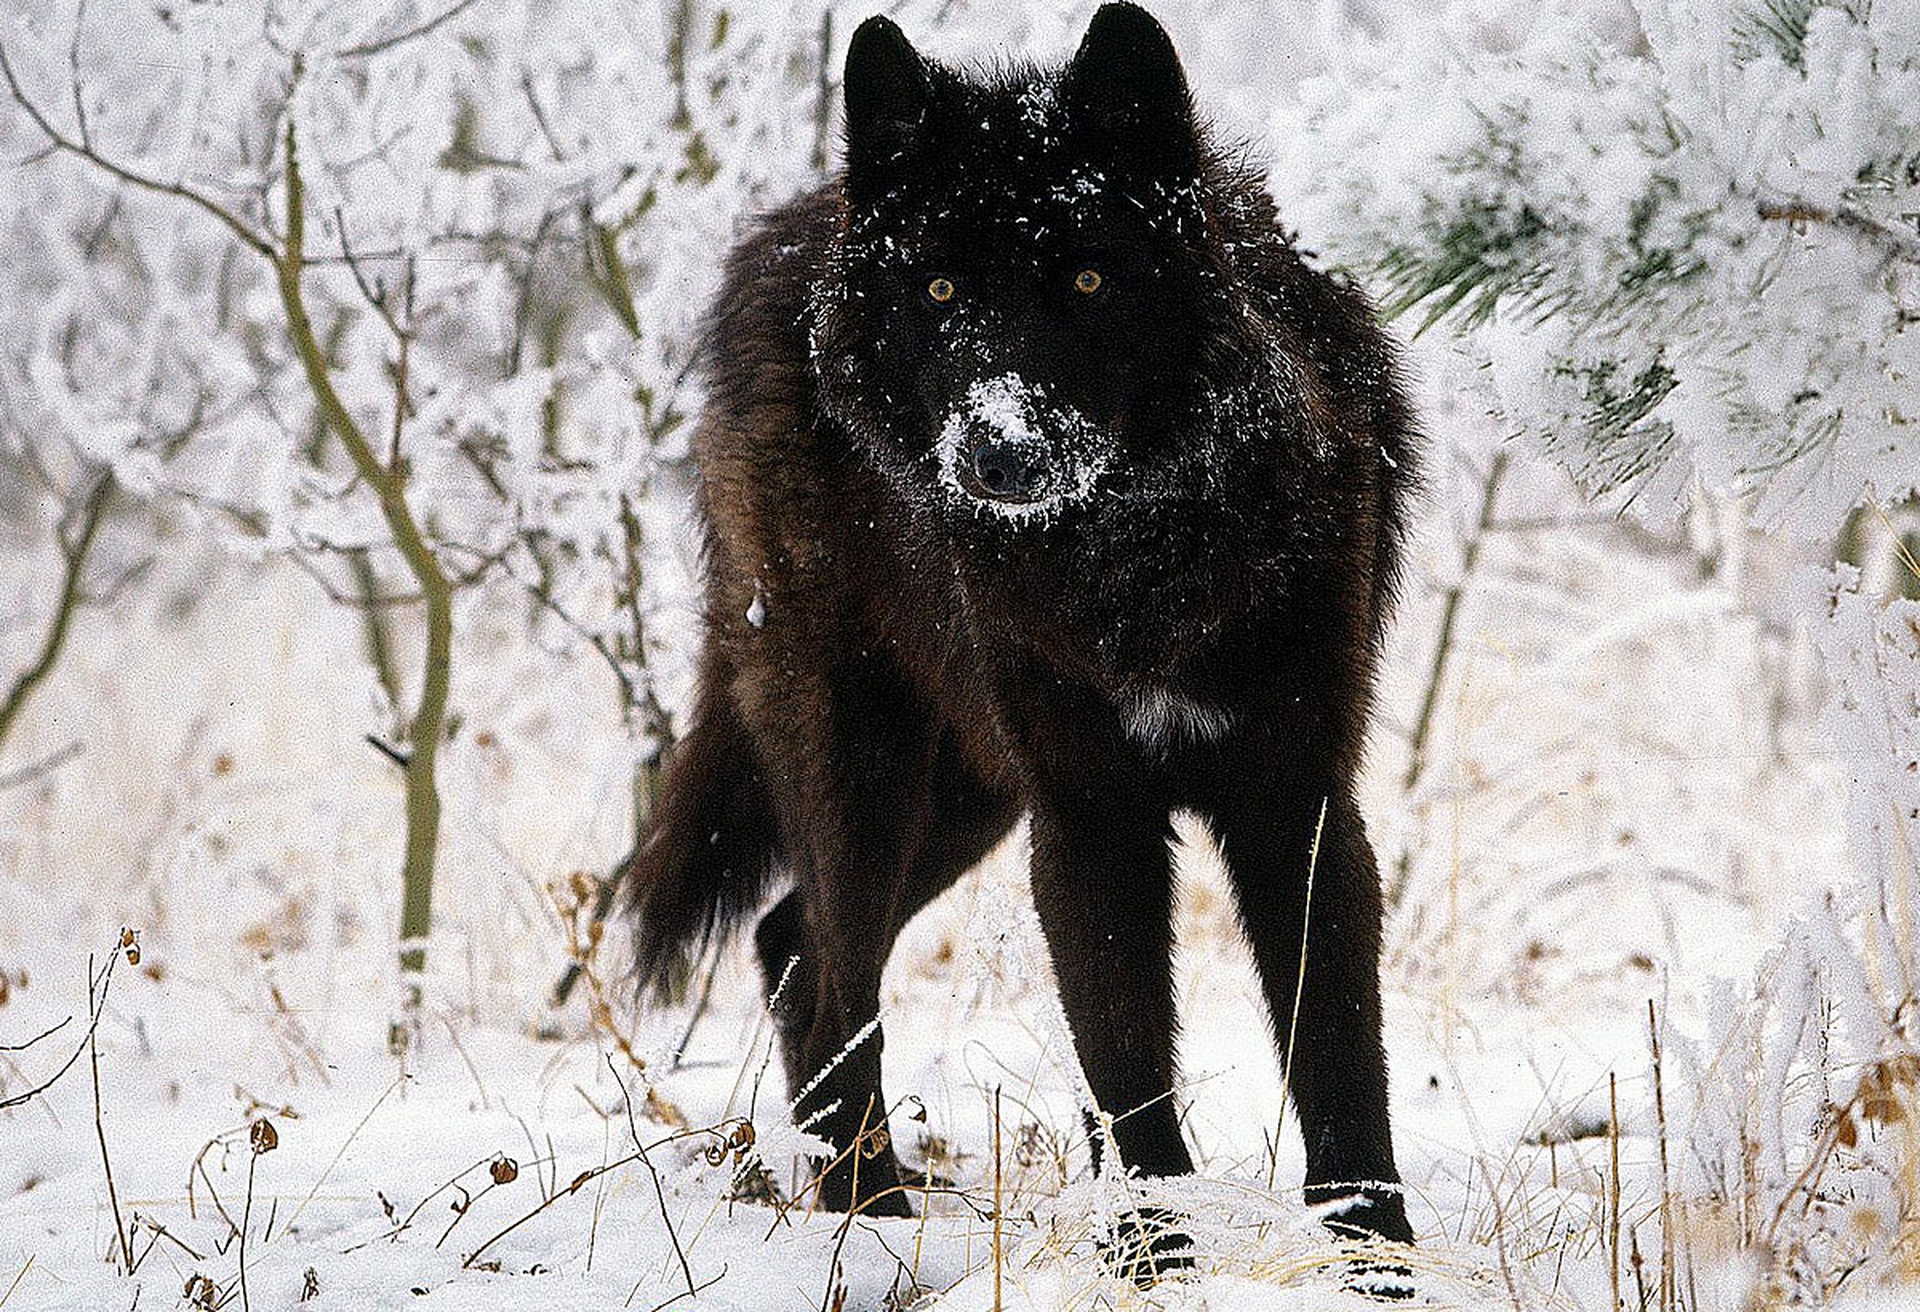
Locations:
1041 474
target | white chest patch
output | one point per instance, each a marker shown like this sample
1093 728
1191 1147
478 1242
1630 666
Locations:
1160 719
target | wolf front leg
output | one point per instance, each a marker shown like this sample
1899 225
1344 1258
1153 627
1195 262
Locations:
1327 1016
1102 883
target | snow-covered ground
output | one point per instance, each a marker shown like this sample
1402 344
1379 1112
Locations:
1626 796
1632 826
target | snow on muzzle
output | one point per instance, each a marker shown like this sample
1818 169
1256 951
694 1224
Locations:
1006 451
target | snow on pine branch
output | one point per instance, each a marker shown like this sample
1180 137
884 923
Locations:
1688 252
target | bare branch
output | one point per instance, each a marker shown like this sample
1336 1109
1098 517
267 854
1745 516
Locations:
422 794
96 1007
424 29
48 1032
73 79
76 551
46 765
60 141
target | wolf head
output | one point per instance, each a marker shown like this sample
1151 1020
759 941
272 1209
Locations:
1018 290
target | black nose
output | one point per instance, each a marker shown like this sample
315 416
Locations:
1010 471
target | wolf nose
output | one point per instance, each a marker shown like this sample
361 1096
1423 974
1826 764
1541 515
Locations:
1010 471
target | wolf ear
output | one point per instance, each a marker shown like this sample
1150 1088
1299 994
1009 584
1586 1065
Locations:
1125 86
888 94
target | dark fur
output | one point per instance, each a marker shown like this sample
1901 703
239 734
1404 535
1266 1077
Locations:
924 669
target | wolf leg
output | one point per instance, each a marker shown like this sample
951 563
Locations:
1102 883
1337 1072
880 816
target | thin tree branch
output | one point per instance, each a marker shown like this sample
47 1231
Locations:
95 1010
46 765
423 29
423 798
76 553
1449 614
60 141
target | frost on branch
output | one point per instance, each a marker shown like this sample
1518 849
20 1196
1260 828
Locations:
437 358
1687 254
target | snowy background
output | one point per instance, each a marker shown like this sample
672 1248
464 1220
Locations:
1642 779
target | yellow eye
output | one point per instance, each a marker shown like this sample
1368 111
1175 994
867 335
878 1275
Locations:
1087 281
940 290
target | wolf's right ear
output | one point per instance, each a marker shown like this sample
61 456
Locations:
888 95
1128 92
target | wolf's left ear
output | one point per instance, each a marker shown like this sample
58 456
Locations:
888 94
1125 84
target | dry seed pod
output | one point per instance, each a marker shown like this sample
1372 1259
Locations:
716 1151
504 1170
130 944
742 1136
875 1143
263 1137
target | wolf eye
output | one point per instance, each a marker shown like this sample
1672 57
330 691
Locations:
940 290
1087 281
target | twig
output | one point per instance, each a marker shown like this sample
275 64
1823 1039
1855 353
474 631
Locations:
199 1164
1613 1202
1500 1235
694 1292
46 765
385 44
246 1219
589 1176
387 750
75 553
18 1277
347 1143
20 1099
60 141
262 1139
1892 242
829 1302
73 72
1666 1188
659 1192
99 1126
1449 615
45 1033
999 1211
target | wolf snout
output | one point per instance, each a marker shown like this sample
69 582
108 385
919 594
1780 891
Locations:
1008 469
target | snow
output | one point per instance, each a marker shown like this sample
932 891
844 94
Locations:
1533 930
1669 768
1075 452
